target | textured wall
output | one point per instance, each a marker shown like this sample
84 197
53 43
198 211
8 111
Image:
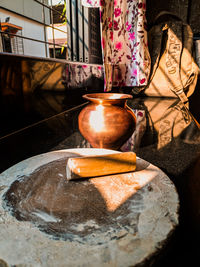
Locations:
179 7
188 10
194 15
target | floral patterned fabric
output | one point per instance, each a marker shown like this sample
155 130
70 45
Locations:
124 42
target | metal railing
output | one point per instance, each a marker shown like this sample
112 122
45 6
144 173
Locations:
29 38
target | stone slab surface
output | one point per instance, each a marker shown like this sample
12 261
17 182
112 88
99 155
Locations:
118 220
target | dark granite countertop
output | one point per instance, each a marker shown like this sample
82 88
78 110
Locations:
163 137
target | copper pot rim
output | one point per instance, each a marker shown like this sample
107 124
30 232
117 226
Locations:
107 97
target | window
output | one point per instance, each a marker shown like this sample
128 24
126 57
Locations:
9 42
31 29
51 28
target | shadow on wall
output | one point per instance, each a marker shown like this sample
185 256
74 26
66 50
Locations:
32 89
22 76
60 76
46 75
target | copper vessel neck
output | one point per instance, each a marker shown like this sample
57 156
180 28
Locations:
108 98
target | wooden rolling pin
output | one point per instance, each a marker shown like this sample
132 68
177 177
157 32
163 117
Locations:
92 166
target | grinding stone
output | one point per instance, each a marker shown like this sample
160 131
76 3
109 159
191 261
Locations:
118 220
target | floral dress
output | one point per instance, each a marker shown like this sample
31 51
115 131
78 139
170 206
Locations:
124 42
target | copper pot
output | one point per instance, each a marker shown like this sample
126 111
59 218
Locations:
106 122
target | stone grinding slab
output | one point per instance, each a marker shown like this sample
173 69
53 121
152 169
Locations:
116 220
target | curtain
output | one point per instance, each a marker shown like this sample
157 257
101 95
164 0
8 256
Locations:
124 42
